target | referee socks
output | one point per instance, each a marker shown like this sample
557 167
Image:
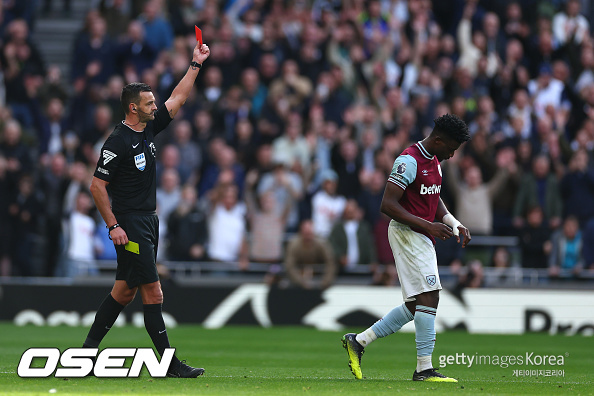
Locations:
106 315
155 327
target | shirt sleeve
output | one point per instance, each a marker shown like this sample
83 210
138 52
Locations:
404 171
112 153
162 119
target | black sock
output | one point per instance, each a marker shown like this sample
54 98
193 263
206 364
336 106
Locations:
104 318
155 327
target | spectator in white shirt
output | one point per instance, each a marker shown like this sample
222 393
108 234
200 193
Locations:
169 194
81 238
569 24
168 197
327 207
286 186
292 148
520 109
545 91
227 227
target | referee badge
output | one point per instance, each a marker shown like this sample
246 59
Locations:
140 161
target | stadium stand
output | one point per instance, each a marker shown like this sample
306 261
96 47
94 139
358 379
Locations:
294 91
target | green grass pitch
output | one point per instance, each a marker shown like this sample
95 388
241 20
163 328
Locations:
300 361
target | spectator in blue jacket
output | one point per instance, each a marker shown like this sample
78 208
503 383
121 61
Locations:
577 188
588 245
158 31
566 251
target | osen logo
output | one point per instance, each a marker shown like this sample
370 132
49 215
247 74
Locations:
80 362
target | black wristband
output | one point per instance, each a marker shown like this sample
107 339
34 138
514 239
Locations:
113 227
196 64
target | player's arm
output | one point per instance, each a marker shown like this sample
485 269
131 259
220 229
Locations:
101 198
391 207
182 90
446 217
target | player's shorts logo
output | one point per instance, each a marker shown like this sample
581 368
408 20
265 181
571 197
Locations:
140 161
431 279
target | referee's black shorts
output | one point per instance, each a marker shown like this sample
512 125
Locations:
138 268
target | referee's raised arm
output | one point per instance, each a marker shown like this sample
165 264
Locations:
182 90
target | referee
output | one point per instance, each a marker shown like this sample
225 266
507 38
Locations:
126 172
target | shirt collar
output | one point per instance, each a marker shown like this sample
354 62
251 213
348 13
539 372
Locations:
423 150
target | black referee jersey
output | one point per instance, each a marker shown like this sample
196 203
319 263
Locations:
128 164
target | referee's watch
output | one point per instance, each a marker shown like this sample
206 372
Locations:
196 64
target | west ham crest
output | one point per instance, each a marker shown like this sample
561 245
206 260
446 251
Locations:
431 279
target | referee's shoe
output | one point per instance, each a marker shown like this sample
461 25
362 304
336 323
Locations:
182 370
355 351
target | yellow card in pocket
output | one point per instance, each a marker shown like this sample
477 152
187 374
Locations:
132 247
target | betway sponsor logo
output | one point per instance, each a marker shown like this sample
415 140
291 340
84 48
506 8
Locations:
434 189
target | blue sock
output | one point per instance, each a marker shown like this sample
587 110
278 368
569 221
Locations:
425 336
392 321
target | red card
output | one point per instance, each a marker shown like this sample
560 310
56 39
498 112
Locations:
198 34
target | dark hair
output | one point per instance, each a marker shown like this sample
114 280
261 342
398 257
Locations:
453 127
131 94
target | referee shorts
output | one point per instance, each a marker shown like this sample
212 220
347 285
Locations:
416 261
138 268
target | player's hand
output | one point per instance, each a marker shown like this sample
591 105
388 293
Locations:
466 233
119 236
201 53
440 231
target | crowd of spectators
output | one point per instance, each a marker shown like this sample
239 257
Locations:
294 125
